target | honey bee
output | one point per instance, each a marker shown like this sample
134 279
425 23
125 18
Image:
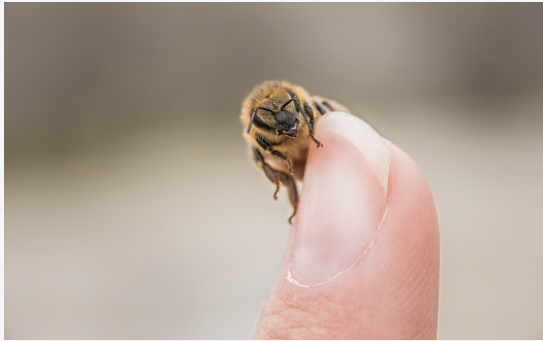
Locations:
278 120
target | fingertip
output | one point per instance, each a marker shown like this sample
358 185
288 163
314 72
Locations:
409 189
391 289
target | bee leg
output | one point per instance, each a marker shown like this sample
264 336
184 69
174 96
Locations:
267 147
289 182
289 163
271 174
308 109
320 108
319 143
302 111
328 105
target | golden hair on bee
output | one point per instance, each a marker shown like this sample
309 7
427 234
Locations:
279 124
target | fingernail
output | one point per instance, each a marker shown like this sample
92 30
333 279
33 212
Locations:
343 199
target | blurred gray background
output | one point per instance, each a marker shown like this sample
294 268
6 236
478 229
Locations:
132 209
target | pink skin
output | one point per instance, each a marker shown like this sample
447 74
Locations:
388 290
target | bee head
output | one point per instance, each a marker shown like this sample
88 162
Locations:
282 120
287 123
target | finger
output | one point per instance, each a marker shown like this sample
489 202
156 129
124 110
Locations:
363 258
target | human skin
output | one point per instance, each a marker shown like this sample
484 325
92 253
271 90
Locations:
362 258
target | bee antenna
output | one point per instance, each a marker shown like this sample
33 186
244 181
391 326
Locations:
253 114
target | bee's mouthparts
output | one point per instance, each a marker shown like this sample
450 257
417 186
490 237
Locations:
292 131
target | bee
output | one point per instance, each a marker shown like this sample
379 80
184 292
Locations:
279 124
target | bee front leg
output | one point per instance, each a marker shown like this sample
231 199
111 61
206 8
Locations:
271 174
267 147
304 115
275 176
290 183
